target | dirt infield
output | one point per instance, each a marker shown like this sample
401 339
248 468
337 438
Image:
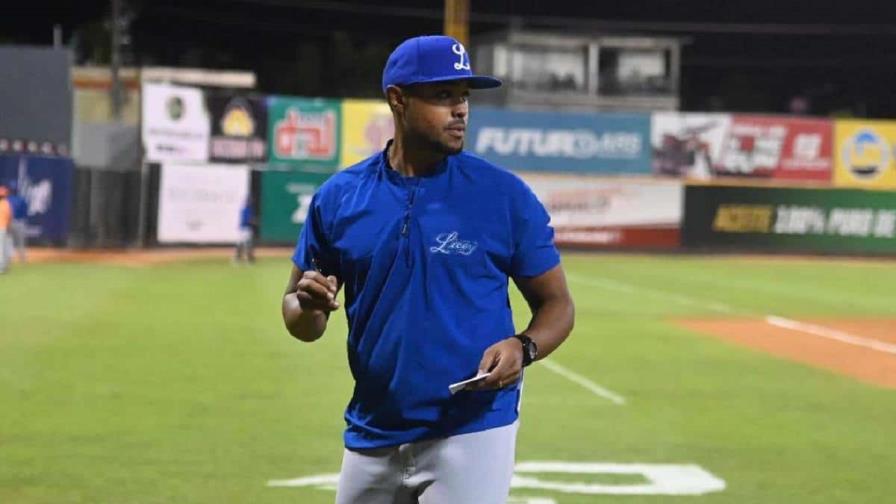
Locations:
758 258
143 257
148 256
864 349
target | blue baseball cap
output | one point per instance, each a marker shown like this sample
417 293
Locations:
432 58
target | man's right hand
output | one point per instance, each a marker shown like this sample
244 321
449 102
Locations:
317 292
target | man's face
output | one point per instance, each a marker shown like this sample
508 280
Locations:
436 114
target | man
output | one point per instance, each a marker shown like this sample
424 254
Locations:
18 227
423 237
5 222
245 247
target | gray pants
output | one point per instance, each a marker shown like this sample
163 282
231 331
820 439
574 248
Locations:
4 250
465 469
16 239
245 247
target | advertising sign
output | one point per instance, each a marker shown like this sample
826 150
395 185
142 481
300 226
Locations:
47 185
561 142
777 147
303 131
201 203
865 154
239 128
285 198
611 212
176 124
797 219
367 126
687 145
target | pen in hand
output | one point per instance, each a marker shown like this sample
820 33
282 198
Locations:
331 283
316 264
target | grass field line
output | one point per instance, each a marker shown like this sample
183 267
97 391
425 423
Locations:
616 285
834 334
594 388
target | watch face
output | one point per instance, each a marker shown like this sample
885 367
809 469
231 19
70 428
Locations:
532 350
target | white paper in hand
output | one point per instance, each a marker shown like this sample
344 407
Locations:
456 387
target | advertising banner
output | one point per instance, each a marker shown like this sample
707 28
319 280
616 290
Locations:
175 123
777 147
285 198
366 127
794 219
239 128
702 146
611 212
47 185
304 131
201 203
687 145
561 142
865 154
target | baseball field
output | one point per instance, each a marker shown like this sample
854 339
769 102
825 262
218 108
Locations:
139 378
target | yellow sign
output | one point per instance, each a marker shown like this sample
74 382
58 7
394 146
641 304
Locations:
865 154
743 219
366 127
237 121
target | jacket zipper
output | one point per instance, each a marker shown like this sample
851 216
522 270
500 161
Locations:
406 224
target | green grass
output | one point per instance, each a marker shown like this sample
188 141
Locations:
176 383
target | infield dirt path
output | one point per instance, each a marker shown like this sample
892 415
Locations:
871 365
143 257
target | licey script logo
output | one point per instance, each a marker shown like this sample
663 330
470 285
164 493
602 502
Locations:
464 63
449 243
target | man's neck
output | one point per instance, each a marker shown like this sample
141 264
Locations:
410 161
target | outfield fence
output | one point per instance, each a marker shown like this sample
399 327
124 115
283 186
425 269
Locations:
668 181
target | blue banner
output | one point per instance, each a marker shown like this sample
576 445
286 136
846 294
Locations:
46 184
561 142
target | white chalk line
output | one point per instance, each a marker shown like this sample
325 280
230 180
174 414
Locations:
606 283
774 320
594 388
833 334
616 285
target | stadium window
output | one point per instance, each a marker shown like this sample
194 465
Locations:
634 71
547 69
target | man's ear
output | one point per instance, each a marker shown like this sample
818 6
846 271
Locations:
396 99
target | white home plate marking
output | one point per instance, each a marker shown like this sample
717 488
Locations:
661 479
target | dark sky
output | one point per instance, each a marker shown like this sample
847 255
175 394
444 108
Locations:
742 55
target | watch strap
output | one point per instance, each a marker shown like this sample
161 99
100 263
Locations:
529 348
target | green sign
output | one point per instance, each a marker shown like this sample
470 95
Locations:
810 220
304 132
285 198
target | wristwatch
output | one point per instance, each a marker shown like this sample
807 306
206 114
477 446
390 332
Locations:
530 349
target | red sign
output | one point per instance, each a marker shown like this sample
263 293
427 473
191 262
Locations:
777 147
651 237
304 134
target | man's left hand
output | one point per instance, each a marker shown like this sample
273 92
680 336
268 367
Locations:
505 361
